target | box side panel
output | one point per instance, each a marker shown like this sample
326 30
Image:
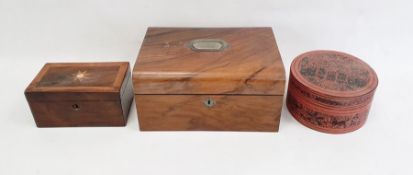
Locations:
208 112
126 95
67 113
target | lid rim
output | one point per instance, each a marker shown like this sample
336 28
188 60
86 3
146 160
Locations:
294 73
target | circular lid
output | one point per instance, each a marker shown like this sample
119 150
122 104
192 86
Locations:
334 73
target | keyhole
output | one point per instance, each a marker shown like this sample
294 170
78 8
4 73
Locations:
75 107
209 102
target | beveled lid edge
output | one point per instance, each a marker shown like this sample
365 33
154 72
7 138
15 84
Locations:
144 77
116 86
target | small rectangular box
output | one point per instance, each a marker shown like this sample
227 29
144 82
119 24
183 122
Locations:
81 94
209 79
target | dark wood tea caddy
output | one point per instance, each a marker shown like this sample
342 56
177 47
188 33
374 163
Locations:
81 94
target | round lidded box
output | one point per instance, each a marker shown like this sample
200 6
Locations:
330 91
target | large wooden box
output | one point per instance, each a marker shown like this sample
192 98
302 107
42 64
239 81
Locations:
211 79
81 94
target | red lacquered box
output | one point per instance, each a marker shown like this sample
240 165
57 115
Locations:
330 91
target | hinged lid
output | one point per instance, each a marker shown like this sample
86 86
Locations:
209 61
70 81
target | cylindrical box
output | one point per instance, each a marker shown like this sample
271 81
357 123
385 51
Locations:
330 91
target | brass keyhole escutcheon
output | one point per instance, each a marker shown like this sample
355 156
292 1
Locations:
209 102
76 107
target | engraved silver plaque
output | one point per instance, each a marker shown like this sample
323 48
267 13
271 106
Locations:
208 45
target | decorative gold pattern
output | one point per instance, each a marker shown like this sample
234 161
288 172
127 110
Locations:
334 72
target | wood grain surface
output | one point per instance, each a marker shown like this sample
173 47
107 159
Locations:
81 94
189 112
244 76
251 64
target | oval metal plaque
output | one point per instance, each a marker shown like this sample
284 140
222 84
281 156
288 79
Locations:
208 45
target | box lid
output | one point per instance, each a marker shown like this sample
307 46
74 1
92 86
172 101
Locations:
68 81
209 61
333 74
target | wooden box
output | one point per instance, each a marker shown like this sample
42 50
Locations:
330 91
211 79
81 94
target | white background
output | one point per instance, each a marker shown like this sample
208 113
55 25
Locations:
35 32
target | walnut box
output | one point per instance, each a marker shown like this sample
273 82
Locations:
81 94
209 79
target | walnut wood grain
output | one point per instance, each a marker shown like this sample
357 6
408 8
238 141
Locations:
188 112
97 77
91 113
81 94
251 64
244 75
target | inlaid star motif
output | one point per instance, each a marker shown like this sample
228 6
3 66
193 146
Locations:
80 75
